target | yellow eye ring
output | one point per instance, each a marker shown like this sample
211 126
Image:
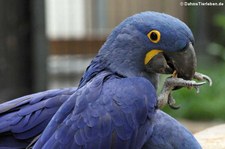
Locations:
154 36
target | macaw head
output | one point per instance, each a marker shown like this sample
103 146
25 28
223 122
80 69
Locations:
150 43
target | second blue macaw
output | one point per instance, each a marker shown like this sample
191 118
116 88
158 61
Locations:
115 104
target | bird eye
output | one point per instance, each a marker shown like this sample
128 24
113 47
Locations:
154 36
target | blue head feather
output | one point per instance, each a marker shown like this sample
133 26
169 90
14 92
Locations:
125 48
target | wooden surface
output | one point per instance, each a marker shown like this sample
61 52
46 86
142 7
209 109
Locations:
212 138
73 47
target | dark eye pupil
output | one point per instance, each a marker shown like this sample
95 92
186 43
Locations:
154 36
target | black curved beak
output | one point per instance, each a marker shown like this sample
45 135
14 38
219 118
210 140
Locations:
183 62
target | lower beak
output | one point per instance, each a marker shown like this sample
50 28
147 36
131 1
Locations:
183 62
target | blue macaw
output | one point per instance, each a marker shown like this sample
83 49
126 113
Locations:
115 104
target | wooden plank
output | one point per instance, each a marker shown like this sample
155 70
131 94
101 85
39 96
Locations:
85 46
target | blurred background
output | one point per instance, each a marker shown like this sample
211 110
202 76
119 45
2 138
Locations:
46 44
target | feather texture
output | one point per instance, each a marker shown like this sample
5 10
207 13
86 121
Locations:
92 122
24 118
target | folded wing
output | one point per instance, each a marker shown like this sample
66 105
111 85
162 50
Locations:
24 118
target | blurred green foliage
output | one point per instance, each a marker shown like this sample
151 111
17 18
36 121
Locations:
216 48
219 21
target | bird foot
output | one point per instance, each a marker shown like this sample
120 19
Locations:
202 77
165 96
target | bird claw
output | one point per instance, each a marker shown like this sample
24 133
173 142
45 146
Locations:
165 96
203 77
172 103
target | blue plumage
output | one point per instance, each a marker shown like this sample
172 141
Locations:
26 117
115 104
110 117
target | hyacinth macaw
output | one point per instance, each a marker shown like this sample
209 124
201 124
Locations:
115 104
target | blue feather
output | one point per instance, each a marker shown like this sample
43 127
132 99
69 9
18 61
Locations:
104 126
89 128
34 131
166 131
26 117
79 137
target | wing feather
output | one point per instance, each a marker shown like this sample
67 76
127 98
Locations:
103 114
24 118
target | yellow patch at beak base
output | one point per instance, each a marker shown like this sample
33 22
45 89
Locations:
150 55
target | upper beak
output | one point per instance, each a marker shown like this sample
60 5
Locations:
183 62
